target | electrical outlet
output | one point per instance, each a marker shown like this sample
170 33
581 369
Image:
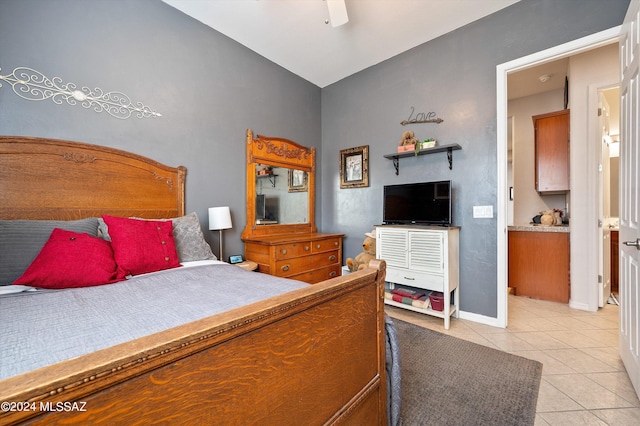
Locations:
482 212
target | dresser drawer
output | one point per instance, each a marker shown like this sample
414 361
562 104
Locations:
325 245
318 275
289 267
309 257
288 251
415 279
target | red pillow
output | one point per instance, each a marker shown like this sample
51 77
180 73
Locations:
141 246
70 259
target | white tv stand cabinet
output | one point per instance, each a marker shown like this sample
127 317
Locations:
424 257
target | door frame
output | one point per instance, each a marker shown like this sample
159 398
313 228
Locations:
584 44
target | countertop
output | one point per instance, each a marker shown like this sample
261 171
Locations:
539 228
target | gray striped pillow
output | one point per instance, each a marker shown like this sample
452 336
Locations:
22 240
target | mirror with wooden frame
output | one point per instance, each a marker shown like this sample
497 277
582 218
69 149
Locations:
280 187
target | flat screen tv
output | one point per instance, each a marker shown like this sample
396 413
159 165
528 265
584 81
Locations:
266 207
261 210
426 203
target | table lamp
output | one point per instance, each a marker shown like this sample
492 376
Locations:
219 219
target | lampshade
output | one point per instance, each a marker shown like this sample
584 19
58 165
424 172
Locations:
219 218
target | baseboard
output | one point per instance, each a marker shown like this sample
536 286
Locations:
581 306
481 319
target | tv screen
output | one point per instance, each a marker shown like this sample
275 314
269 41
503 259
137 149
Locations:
427 203
261 212
266 207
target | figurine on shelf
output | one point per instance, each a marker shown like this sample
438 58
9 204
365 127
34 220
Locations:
408 142
266 171
428 143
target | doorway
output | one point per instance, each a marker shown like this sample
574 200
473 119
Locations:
608 188
578 46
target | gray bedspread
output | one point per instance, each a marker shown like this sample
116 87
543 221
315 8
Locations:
44 328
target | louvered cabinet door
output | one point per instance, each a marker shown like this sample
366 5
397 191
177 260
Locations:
392 245
426 251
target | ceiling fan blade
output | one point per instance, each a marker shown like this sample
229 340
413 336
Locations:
337 12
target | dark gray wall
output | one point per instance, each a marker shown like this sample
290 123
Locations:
208 88
454 76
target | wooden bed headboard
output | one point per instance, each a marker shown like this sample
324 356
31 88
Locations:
56 179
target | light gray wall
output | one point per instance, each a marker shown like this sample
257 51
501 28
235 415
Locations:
208 88
455 77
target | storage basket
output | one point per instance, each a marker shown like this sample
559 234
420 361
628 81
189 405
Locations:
437 301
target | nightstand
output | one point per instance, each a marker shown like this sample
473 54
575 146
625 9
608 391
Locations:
248 265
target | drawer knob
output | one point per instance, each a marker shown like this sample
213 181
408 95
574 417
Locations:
333 274
409 278
332 257
306 248
283 251
317 245
335 243
285 268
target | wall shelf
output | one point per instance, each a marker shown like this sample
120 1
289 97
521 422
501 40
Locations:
441 148
270 176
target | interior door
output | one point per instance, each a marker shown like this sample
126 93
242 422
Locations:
604 274
629 187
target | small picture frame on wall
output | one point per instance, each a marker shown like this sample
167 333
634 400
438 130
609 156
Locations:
297 181
354 167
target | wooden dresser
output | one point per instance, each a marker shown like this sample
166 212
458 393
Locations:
310 257
281 234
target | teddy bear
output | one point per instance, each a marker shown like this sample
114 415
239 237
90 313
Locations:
368 253
408 138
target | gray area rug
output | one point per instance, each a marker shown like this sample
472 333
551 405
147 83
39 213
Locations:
450 381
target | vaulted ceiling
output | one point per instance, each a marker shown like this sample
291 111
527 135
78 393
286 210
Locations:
299 36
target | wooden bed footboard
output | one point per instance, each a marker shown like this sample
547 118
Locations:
312 356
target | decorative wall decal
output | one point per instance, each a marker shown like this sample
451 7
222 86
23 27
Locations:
32 85
421 117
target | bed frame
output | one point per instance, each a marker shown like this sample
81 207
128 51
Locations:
312 356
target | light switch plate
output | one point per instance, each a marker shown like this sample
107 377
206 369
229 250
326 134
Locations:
482 212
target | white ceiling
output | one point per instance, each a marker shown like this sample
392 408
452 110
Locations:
294 35
527 82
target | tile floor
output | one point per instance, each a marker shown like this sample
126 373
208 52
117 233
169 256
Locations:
583 379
